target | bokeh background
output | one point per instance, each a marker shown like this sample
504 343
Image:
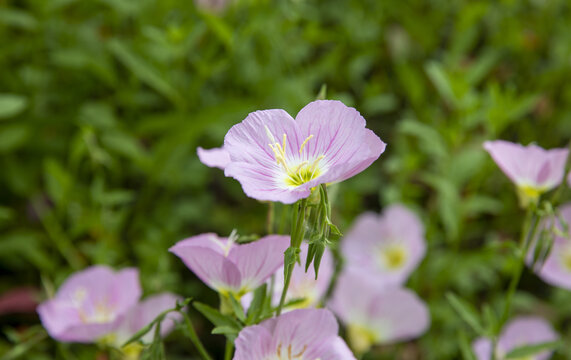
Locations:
103 103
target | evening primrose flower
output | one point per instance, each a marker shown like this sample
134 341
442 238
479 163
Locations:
90 304
375 313
556 270
229 267
531 168
521 331
216 157
277 158
297 335
388 246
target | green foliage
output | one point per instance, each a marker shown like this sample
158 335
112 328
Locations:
103 103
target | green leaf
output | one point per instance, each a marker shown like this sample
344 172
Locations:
225 330
466 312
11 105
215 317
319 250
529 350
465 347
237 308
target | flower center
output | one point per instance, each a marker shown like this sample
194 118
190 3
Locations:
296 172
566 258
393 256
528 194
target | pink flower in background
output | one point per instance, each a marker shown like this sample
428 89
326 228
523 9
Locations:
299 334
217 157
303 284
90 304
388 246
277 158
229 267
521 331
144 313
531 168
19 300
557 267
377 314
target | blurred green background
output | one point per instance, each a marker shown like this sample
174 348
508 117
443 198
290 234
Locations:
103 103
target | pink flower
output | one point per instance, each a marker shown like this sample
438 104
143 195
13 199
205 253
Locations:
389 246
90 304
521 331
144 313
277 158
303 284
531 168
377 314
217 157
557 267
228 267
299 334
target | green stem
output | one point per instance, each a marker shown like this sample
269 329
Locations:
229 350
526 239
297 235
194 338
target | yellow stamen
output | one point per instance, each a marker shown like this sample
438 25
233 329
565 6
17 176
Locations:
303 144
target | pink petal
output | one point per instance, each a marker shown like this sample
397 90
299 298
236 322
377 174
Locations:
482 348
258 260
211 267
334 349
217 157
527 330
253 343
304 327
340 135
529 166
259 182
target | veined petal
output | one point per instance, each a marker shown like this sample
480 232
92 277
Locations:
213 268
253 343
529 166
261 183
304 329
217 157
334 349
249 141
340 136
258 260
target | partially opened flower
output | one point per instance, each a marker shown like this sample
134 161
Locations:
300 334
521 331
388 246
216 157
143 313
531 168
556 270
229 267
90 304
303 284
377 314
277 158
